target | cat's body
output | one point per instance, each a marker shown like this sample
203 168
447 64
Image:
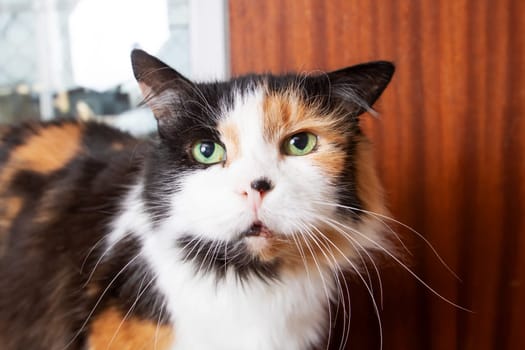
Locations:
54 210
225 233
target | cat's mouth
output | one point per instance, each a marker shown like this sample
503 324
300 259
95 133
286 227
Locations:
258 240
258 229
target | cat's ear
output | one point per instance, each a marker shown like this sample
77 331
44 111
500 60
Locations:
358 87
162 87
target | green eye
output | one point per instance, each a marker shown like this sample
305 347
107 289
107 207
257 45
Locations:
300 144
208 152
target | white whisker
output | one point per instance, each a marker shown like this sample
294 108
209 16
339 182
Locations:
84 324
132 307
162 309
368 288
425 240
327 294
89 253
396 259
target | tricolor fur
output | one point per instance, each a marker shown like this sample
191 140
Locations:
111 242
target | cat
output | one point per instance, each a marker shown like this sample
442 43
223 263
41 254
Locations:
226 231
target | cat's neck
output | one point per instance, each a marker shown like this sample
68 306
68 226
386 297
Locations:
248 314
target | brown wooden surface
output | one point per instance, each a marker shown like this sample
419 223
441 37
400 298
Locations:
450 148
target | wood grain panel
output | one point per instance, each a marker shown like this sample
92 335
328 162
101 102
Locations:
449 147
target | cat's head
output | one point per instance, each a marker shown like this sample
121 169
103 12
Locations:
263 173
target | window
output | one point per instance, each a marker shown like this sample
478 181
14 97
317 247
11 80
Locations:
70 58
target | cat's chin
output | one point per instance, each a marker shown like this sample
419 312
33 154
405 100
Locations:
258 238
257 245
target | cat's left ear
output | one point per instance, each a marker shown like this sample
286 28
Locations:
161 86
358 87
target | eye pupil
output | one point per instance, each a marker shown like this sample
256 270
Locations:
300 141
207 149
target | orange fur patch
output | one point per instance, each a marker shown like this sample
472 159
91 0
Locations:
230 137
286 115
109 331
45 152
50 150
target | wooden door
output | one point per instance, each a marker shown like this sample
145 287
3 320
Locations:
450 147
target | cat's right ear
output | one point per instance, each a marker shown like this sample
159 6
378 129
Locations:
162 87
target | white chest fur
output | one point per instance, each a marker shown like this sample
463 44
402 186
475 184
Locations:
290 314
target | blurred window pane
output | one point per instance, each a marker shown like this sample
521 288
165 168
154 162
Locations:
70 58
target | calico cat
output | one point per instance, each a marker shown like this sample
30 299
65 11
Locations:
226 231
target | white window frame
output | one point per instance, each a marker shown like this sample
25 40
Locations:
209 40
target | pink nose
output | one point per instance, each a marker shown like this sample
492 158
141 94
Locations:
256 192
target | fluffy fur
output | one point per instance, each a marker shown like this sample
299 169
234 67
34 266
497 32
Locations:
127 237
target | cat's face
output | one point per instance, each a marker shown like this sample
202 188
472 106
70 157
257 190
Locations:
261 173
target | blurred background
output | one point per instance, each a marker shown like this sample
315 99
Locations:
70 58
449 140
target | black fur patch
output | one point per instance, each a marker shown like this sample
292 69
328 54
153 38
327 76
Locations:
347 191
126 282
219 257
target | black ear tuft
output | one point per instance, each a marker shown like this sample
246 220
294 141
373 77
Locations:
361 85
160 84
153 72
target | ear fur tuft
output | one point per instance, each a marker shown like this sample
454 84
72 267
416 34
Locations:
361 85
160 84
